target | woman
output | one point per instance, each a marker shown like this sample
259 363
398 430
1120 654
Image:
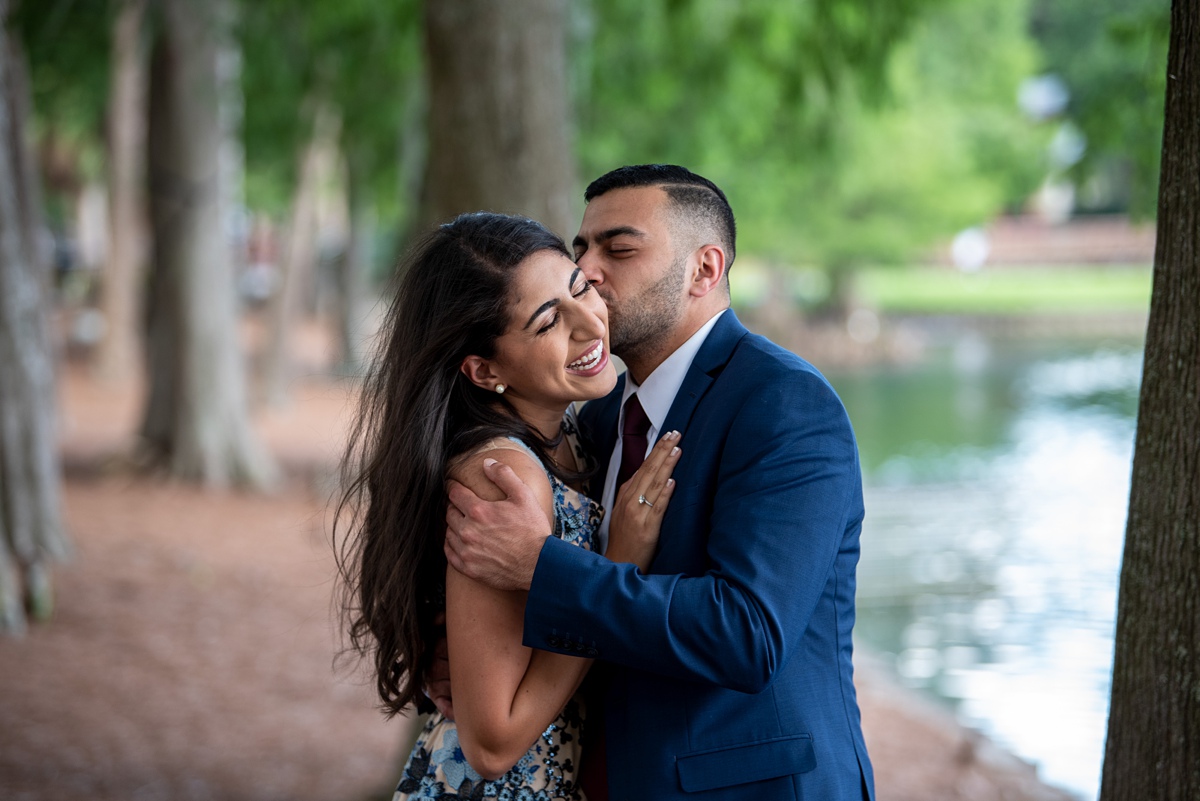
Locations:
494 334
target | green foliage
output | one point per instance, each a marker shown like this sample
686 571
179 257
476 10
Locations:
1112 54
361 58
946 150
67 47
693 80
1056 289
843 132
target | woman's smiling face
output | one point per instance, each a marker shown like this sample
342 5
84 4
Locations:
555 350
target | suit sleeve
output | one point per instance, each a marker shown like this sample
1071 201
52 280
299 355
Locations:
788 491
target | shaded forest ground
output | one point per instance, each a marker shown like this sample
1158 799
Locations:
190 656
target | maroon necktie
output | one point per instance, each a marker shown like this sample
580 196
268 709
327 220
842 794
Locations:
633 440
593 776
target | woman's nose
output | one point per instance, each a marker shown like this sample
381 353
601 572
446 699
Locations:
590 324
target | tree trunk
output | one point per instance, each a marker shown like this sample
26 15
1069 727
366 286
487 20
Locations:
299 262
844 296
196 421
1153 747
31 532
123 283
499 120
352 270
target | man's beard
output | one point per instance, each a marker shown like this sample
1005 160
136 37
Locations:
641 323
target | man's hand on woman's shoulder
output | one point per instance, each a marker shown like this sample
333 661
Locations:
496 543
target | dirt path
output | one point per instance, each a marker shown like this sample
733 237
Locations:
190 656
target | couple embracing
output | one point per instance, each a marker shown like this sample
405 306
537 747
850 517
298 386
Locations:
650 599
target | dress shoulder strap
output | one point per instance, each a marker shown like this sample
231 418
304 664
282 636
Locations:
505 444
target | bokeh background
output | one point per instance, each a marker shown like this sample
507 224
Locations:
946 205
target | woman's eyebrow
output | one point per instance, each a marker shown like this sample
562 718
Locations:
550 304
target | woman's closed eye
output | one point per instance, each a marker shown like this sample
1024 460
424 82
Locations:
548 326
579 288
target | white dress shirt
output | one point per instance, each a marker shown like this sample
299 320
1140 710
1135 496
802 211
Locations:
656 394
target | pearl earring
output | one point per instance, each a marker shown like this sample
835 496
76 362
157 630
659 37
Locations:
500 388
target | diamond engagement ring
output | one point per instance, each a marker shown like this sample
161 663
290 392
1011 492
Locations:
642 499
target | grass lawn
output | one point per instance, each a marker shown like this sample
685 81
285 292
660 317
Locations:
1007 290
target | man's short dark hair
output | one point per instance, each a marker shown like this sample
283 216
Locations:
696 197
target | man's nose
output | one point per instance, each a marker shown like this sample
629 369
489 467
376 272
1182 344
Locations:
591 270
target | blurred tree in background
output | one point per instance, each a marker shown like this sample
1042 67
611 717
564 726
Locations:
1109 56
499 112
334 99
88 87
118 356
67 46
196 422
31 531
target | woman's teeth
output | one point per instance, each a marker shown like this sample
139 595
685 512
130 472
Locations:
588 360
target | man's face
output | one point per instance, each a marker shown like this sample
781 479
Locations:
624 247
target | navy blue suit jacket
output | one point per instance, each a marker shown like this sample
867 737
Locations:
730 660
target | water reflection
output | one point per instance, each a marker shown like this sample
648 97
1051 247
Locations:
997 484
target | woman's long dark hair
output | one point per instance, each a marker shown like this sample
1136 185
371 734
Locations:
417 412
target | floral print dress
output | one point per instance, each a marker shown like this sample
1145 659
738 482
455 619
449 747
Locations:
437 769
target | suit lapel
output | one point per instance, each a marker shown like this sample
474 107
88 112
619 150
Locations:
710 360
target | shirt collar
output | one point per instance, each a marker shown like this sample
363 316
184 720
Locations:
658 391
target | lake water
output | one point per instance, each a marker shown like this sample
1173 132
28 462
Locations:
997 483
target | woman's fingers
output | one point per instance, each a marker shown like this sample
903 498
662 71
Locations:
664 464
641 502
660 500
653 477
660 456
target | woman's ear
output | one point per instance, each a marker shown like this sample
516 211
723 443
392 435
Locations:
479 371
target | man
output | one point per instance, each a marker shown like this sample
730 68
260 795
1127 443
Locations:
728 666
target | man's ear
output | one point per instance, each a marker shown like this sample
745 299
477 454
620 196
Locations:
709 271
480 372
